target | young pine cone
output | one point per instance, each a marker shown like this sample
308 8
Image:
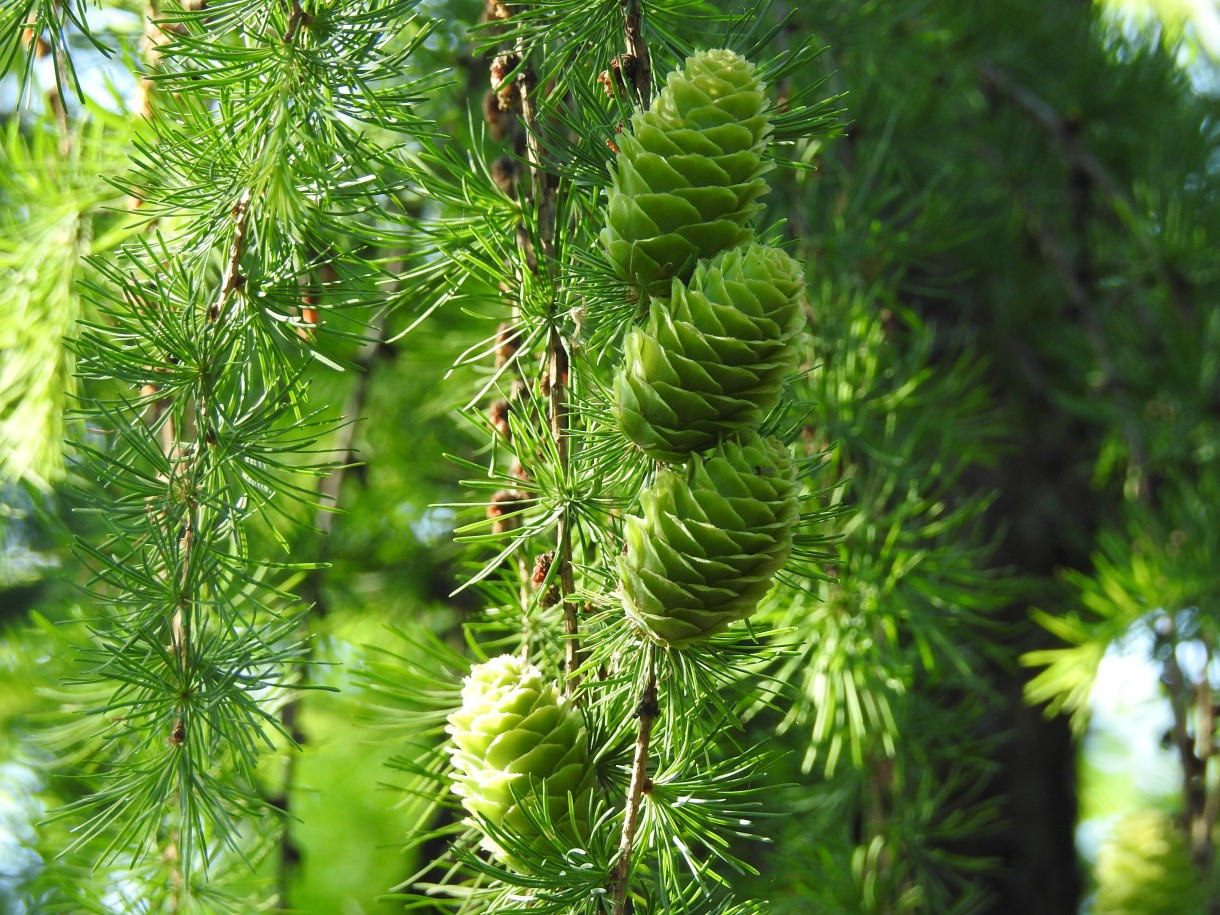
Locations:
517 739
689 171
712 537
712 362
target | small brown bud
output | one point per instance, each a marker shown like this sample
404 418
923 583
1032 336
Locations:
607 82
627 66
506 92
498 414
526 244
503 510
507 344
494 10
783 96
42 47
499 121
542 567
31 34
618 128
309 318
622 69
504 173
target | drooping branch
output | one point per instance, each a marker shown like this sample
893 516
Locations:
543 198
647 708
557 374
1065 138
1181 693
296 18
646 713
232 278
1203 828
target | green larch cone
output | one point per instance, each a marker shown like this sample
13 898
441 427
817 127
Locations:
712 362
689 171
517 738
712 537
1144 869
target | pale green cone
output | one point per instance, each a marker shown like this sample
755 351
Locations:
1144 869
516 738
712 537
689 171
712 362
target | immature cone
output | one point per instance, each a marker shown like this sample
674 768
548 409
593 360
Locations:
517 739
1144 869
712 363
712 537
688 172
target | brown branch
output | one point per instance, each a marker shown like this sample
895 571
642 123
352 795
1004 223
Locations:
646 711
182 463
233 278
1063 134
557 372
637 50
1205 750
542 182
543 198
296 18
160 415
511 95
1193 768
172 857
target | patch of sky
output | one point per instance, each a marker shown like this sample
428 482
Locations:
430 527
450 31
105 77
19 810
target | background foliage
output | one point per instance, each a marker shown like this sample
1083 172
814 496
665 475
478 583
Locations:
1011 369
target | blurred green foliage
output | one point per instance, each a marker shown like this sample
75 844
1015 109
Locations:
1012 372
